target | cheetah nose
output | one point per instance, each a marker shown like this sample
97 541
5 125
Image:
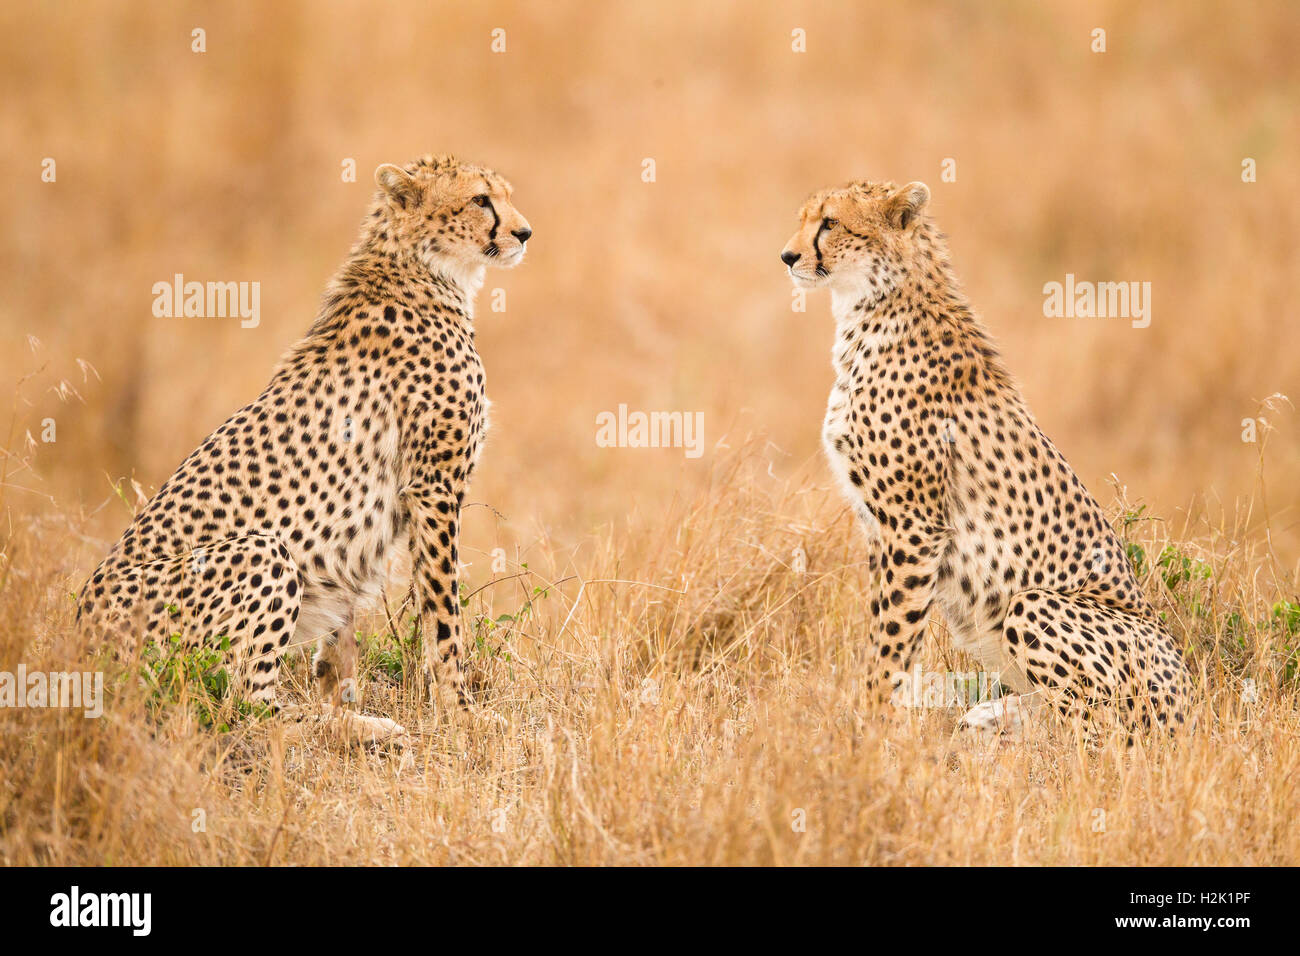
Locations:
789 258
523 235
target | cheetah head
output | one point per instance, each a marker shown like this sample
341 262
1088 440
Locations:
456 217
857 238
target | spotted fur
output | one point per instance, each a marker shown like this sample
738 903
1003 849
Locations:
967 505
284 519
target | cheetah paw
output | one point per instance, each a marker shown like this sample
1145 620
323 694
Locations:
1005 716
364 729
486 717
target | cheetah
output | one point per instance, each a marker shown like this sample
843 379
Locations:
966 504
282 522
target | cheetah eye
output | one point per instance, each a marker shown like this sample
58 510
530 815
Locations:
482 200
830 223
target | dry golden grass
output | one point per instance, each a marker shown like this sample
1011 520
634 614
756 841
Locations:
682 691
676 694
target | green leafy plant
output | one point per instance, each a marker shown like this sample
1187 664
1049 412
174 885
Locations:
392 656
488 631
389 655
1280 626
178 675
1136 554
1177 568
1285 621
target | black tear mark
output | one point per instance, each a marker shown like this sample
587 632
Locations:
817 249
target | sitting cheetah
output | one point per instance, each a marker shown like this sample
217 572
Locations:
966 503
363 443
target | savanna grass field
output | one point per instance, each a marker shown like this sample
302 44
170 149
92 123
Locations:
674 641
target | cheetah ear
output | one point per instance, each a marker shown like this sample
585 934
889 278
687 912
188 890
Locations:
901 208
398 184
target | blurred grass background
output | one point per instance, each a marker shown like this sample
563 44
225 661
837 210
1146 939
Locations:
225 165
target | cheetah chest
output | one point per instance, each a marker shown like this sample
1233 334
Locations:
854 357
838 443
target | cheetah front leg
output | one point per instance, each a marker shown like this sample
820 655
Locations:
335 670
905 587
434 522
335 665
